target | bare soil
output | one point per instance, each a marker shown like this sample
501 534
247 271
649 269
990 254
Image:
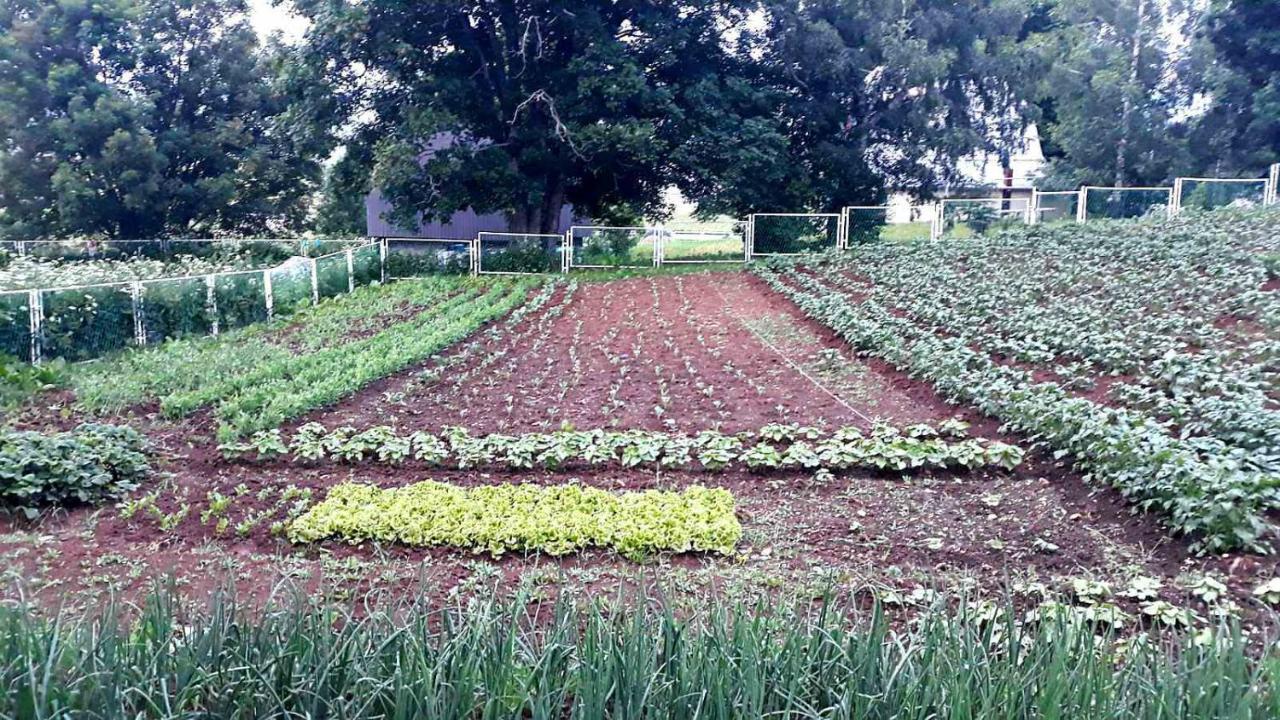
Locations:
714 350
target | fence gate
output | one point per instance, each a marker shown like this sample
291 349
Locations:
711 243
501 253
612 246
1209 193
865 224
1123 202
793 233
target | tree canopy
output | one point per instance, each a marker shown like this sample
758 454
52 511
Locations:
144 118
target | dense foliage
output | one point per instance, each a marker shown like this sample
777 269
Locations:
1142 349
745 105
90 464
491 660
555 520
144 118
771 447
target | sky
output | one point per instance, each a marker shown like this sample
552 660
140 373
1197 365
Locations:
268 17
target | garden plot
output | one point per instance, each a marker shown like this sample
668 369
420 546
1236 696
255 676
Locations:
686 352
1145 350
673 355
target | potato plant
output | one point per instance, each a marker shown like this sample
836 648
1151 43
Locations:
1172 317
772 447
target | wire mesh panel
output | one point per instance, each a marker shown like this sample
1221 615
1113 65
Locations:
520 253
418 257
291 287
332 278
974 217
710 243
598 246
793 233
1125 202
366 264
15 324
86 322
175 308
1210 193
239 299
1054 206
865 224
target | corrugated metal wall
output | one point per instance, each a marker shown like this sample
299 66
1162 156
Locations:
461 226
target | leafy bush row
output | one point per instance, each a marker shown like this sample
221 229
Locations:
191 365
555 520
91 464
1195 484
1168 317
772 447
284 389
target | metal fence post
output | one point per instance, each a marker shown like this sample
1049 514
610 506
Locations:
139 324
1082 204
35 308
266 293
315 282
382 260
351 271
211 302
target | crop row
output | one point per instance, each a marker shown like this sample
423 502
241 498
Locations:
1195 484
1171 318
772 447
187 365
406 656
258 385
499 518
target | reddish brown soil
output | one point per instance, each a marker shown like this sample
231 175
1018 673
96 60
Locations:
607 356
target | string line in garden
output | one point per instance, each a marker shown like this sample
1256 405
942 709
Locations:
724 304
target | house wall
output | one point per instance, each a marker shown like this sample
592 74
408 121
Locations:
460 226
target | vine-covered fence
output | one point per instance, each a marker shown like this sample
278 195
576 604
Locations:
81 322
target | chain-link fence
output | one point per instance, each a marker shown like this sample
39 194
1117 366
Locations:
81 322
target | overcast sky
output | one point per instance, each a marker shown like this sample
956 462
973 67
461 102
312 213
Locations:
268 17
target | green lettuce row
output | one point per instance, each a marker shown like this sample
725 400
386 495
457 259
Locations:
91 464
773 446
1194 484
556 520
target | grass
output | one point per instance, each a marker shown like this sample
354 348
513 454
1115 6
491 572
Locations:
395 659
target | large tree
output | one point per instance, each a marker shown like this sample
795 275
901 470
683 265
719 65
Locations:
520 105
1239 132
846 100
1113 90
143 118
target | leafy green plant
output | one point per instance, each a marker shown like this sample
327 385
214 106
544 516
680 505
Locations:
886 448
556 519
92 464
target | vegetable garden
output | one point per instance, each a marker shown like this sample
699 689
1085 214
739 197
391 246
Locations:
1053 442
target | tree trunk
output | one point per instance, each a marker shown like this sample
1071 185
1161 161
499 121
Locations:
1126 108
552 202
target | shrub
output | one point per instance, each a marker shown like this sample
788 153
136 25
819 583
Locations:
92 464
556 520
